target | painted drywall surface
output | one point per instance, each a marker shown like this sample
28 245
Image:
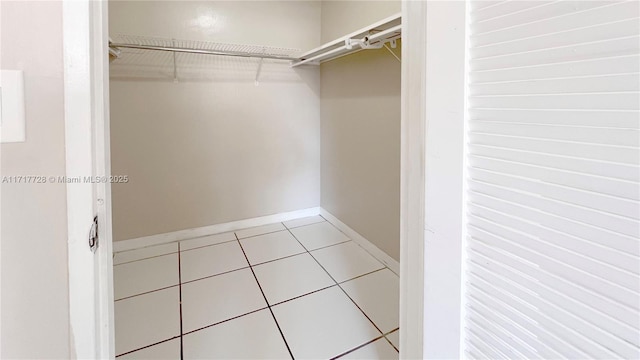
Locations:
341 17
214 147
270 23
360 131
35 304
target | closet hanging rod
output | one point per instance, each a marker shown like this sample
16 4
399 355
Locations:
372 39
386 35
373 36
201 51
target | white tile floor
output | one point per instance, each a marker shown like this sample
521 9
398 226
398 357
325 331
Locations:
299 289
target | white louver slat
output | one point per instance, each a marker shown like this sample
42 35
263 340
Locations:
553 256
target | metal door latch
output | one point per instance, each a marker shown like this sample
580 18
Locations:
93 235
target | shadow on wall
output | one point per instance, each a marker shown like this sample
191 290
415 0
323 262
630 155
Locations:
145 65
349 73
360 151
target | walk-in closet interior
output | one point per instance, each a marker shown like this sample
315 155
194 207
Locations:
260 141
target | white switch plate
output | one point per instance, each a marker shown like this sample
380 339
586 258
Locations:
12 114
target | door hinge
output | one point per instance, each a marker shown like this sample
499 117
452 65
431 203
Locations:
93 235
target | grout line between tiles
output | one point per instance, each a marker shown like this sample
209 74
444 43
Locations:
146 258
303 295
383 336
204 246
183 282
264 308
252 236
316 260
173 241
359 276
335 227
265 298
313 223
328 246
300 253
359 308
362 247
180 292
389 341
172 252
214 275
144 247
147 346
260 287
284 301
381 262
148 292
280 258
358 347
248 237
224 321
340 287
246 267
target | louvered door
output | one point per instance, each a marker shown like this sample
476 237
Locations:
553 180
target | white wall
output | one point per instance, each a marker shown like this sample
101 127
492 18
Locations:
214 147
340 17
35 304
360 111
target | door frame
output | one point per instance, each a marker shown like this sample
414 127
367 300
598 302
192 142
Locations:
87 154
86 66
412 179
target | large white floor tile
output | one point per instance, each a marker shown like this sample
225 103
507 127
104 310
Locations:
147 319
253 336
211 300
346 261
168 350
303 221
318 235
206 241
394 337
379 349
259 230
145 275
211 260
271 246
323 324
290 277
144 253
378 295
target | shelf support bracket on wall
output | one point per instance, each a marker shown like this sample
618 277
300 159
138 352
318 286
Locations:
258 71
393 45
264 50
175 65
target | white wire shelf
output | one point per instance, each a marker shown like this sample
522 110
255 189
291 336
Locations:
142 57
202 47
374 36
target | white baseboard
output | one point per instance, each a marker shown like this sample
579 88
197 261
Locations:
158 239
375 251
174 236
